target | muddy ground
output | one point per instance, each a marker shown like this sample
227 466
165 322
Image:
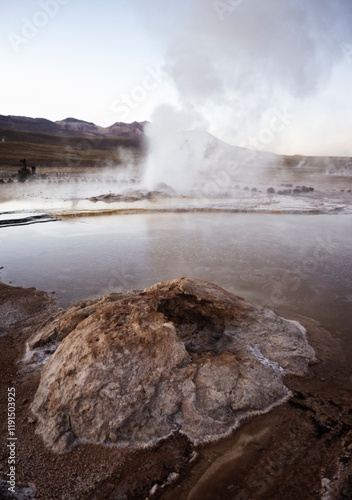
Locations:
299 450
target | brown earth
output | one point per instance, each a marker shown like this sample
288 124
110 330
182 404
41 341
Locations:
300 450
183 355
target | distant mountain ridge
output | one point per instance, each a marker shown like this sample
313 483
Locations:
71 127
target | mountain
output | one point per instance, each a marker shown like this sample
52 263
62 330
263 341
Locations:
74 127
71 127
40 125
120 129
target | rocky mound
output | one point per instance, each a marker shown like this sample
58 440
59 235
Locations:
183 355
131 195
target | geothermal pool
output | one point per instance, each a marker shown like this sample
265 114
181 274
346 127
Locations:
298 263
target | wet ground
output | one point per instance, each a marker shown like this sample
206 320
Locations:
301 263
120 189
300 449
298 265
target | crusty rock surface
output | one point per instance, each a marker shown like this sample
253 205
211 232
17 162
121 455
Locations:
183 355
135 195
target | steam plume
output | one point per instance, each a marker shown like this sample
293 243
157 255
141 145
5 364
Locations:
233 61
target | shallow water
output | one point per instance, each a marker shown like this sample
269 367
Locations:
302 263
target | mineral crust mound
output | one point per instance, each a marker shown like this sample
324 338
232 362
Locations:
181 356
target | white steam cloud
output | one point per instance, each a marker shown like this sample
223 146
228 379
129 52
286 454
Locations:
233 62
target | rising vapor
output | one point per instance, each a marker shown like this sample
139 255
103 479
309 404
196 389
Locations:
233 62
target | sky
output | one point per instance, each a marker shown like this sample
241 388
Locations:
273 75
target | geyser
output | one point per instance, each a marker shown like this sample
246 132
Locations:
233 71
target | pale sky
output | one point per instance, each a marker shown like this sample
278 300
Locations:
270 77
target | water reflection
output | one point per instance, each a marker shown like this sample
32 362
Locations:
303 263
